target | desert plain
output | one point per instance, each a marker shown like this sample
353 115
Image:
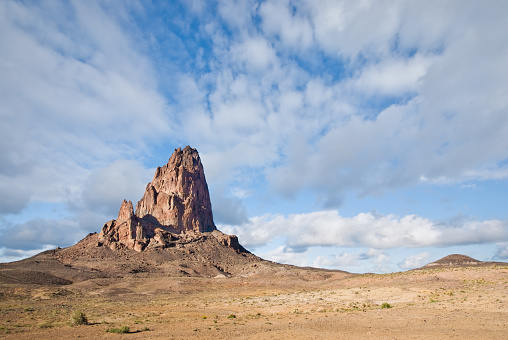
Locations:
282 302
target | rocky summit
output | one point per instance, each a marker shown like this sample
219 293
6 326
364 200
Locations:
176 204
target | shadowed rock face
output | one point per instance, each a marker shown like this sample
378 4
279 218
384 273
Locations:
177 201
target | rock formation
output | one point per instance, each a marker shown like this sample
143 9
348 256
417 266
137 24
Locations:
178 195
176 205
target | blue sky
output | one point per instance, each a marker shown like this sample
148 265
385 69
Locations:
368 136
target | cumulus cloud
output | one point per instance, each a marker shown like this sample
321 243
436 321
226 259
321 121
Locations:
341 260
40 232
237 13
15 197
70 104
376 258
292 29
414 261
393 76
285 255
351 28
228 210
502 251
103 191
106 187
328 228
10 255
381 122
256 53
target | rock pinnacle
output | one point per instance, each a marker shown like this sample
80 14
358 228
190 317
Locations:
177 201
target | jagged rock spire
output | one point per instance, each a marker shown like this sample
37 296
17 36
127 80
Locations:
178 196
177 201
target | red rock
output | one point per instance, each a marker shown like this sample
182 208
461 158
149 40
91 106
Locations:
177 201
125 222
178 198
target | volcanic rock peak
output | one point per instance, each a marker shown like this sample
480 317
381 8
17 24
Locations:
178 195
177 201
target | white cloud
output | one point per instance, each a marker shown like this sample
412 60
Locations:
239 193
39 232
375 256
502 251
227 209
106 187
328 228
351 28
414 261
341 260
11 255
16 200
237 13
446 133
378 260
70 104
282 254
293 29
393 76
256 53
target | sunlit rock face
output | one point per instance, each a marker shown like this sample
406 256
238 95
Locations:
177 201
178 196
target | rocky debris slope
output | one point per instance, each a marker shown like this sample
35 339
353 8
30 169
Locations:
176 206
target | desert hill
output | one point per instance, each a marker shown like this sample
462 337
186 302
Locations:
458 260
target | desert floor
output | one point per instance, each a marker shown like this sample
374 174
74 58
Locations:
432 304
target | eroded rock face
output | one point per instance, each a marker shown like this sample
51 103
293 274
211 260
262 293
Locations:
178 195
176 202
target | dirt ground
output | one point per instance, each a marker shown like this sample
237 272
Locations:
462 303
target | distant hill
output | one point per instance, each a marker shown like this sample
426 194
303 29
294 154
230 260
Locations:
459 260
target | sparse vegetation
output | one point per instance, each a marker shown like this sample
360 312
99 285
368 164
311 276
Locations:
259 307
79 318
120 330
45 325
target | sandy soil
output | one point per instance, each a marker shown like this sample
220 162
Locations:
462 303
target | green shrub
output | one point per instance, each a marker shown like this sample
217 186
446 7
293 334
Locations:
79 318
122 330
231 316
385 305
